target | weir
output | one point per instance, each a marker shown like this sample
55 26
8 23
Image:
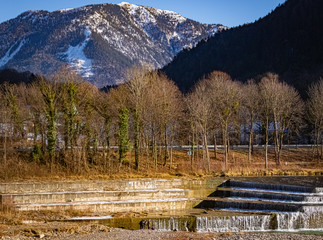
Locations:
292 205
208 205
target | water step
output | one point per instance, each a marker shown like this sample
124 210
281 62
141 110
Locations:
90 196
265 195
237 205
166 204
259 186
234 223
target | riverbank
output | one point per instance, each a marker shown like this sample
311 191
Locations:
293 162
62 231
15 224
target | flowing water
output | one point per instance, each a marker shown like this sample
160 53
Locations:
253 206
242 204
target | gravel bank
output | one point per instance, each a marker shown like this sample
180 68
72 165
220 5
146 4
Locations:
121 234
98 232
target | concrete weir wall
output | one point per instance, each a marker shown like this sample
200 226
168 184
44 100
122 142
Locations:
32 187
111 207
107 196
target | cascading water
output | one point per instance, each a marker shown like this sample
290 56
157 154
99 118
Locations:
299 221
239 206
314 199
266 196
174 224
164 224
233 223
268 186
289 207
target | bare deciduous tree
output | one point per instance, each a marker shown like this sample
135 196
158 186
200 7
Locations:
315 112
226 100
138 80
199 106
168 110
280 104
250 110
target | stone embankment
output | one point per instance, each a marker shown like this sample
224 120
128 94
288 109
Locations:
106 196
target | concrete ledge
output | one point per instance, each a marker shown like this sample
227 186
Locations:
115 206
87 196
109 185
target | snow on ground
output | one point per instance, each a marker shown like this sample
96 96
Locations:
77 59
10 54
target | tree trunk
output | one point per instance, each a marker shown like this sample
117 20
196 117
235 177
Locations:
171 156
266 145
321 153
165 147
192 147
225 148
204 155
197 152
276 140
107 133
317 143
281 139
5 153
214 141
147 152
154 151
137 136
250 139
207 153
43 142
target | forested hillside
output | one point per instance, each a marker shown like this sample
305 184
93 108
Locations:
288 42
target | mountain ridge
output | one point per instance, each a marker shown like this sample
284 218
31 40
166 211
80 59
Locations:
99 41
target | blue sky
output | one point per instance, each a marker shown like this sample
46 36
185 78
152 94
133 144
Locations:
227 12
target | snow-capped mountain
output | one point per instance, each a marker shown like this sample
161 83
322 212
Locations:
98 41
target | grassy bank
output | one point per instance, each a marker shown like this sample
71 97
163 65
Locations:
295 162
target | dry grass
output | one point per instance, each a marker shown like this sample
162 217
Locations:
293 162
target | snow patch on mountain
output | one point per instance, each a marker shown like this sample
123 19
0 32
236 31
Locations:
145 15
10 54
76 58
66 10
175 16
96 22
141 16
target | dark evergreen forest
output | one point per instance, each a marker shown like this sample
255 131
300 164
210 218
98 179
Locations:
288 41
14 77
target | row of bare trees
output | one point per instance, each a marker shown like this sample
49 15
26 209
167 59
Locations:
70 122
224 106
